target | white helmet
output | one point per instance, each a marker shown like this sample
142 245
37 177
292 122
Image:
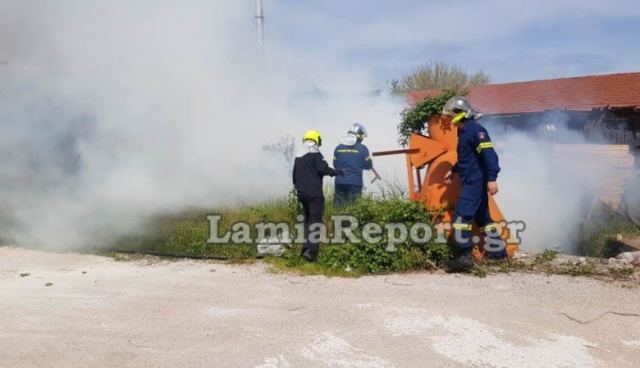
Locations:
358 130
459 107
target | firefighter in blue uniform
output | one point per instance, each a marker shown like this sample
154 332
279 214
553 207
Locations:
352 157
478 169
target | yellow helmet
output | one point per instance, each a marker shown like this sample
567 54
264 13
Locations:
313 135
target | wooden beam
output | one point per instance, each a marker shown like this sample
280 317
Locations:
395 152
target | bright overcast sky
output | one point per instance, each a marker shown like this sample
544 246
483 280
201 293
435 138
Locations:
510 40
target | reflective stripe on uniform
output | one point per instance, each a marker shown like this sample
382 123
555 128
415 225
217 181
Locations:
368 158
347 151
463 227
484 145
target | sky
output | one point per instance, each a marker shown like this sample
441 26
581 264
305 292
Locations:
509 40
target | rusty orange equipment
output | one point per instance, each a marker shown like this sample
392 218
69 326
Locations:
437 153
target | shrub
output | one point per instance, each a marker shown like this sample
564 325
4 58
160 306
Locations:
366 257
185 235
414 118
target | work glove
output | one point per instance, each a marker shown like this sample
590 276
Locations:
340 172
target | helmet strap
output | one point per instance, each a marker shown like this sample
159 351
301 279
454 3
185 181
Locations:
456 119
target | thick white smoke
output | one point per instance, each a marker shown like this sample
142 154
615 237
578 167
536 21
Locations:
537 193
116 110
550 190
112 111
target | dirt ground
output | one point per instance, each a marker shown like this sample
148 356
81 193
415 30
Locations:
75 310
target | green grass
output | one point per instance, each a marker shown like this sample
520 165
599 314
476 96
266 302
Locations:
366 258
301 267
548 255
186 234
598 236
575 269
623 273
479 271
550 262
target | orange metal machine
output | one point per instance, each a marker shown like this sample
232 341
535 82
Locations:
437 153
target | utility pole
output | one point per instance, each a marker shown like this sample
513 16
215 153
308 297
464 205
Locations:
260 27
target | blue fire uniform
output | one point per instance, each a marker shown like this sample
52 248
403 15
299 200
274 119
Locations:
352 159
477 164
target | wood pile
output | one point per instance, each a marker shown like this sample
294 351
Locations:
606 168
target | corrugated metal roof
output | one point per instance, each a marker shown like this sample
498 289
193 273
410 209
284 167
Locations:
577 93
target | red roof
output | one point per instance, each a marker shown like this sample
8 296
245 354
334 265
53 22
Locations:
578 94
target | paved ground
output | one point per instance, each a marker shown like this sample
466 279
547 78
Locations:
102 313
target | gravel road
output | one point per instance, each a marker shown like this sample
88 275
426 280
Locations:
74 310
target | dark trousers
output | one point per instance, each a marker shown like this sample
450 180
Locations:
346 194
473 206
313 208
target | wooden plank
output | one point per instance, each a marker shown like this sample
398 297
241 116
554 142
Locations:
592 147
614 165
632 242
395 152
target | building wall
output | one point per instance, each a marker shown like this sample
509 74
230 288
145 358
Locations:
605 126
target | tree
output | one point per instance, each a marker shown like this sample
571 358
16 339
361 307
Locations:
285 148
437 75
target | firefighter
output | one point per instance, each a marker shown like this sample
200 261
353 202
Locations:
478 169
308 170
352 157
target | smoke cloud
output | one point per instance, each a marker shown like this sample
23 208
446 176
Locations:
114 111
536 192
552 190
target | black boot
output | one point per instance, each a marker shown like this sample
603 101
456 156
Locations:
496 250
309 254
463 262
309 257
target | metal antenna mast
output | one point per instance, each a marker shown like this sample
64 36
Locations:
260 26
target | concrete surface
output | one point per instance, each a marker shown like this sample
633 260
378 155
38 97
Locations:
103 313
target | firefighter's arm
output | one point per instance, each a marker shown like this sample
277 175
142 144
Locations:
489 160
368 162
323 168
448 177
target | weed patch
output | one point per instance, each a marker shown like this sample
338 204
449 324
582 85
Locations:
598 235
186 235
